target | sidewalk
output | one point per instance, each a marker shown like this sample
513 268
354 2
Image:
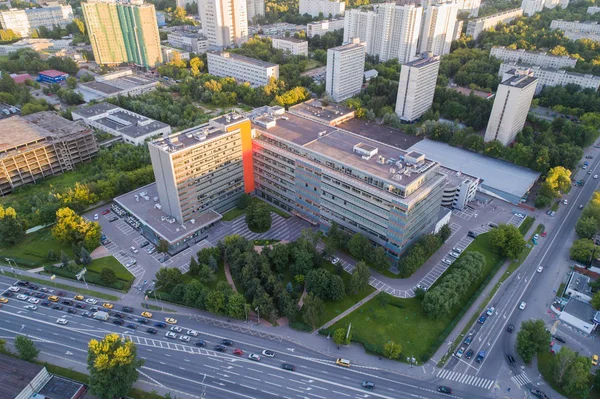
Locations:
348 311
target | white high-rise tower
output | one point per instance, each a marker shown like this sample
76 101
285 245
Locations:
225 22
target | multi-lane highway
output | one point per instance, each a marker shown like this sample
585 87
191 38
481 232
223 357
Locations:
186 369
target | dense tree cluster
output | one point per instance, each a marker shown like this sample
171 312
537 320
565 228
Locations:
66 94
469 67
557 181
12 227
70 228
358 246
571 372
258 217
589 221
533 338
439 301
8 36
507 240
421 250
496 6
29 60
471 110
572 100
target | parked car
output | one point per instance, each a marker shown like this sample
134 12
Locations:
482 319
490 311
469 354
560 339
468 340
460 352
171 335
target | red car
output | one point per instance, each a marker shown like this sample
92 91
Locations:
106 211
544 234
60 293
238 352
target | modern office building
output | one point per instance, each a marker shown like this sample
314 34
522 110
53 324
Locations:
460 189
123 32
243 69
388 30
131 127
437 28
550 77
322 27
345 70
538 58
40 145
120 83
325 174
531 7
511 106
470 6
25 22
224 22
416 87
194 42
478 25
325 8
291 45
255 8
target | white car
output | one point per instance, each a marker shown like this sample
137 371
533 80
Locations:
490 311
33 300
540 269
134 250
14 289
31 307
62 321
268 353
595 176
522 305
254 356
184 338
91 301
565 202
22 297
171 335
176 329
447 261
95 216
537 236
335 260
193 333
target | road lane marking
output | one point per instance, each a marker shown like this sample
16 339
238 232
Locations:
272 383
345 394
258 371
252 378
278 376
247 386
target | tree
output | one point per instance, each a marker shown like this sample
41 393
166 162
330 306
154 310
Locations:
562 361
318 282
392 350
244 201
236 306
532 339
64 259
280 257
586 227
2 346
196 66
71 82
577 377
168 278
163 246
445 232
194 266
507 240
581 250
339 337
379 260
359 246
336 289
108 276
258 217
595 302
86 259
360 277
312 310
112 364
12 228
26 348
558 180
72 228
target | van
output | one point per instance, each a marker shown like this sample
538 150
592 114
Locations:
342 362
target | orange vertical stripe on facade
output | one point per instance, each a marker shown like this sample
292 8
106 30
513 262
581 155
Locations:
246 134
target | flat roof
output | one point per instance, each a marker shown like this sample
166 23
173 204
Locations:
347 47
380 133
581 310
102 87
424 62
15 375
157 219
61 388
580 283
314 109
97 109
242 58
519 81
538 52
508 180
289 39
53 73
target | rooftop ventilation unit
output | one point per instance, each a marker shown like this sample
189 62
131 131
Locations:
381 160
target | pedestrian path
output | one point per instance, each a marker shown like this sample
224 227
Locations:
520 380
468 379
168 345
281 229
349 310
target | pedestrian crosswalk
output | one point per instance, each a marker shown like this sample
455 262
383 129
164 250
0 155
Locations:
521 379
468 379
168 345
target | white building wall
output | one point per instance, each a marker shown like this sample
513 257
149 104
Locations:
553 77
243 69
322 27
593 10
531 7
476 26
24 22
256 8
470 6
328 8
438 28
294 47
416 88
224 22
345 70
539 58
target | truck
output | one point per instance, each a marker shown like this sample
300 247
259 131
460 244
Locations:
480 356
101 316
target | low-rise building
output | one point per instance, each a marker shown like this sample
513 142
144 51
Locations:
171 53
578 287
51 76
580 315
291 45
34 44
322 27
277 29
189 41
121 83
243 69
550 77
131 127
39 145
478 25
538 58
460 189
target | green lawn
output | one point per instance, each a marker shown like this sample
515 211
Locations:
387 318
312 64
110 262
32 251
3 58
236 212
526 225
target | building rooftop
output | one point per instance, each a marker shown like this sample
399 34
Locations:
347 47
523 51
520 82
380 133
60 388
21 78
15 375
331 114
147 212
580 283
581 310
517 67
509 181
424 62
114 85
53 73
242 58
496 15
289 39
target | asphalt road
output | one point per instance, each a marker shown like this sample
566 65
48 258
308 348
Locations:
529 286
188 370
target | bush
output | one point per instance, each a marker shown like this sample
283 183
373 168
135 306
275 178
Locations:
418 253
300 326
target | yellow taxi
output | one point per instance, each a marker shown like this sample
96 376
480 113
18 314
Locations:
170 320
147 314
53 298
107 305
342 362
79 297
3 300
594 360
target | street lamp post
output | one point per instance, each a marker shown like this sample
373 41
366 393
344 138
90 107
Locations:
11 267
258 311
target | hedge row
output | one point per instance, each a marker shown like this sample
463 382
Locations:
90 277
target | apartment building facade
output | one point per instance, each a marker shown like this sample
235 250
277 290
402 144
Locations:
345 70
243 69
550 77
41 145
25 22
437 29
255 8
531 7
322 27
123 31
326 8
470 6
478 25
224 22
291 45
510 109
194 42
389 30
538 58
575 30
416 87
